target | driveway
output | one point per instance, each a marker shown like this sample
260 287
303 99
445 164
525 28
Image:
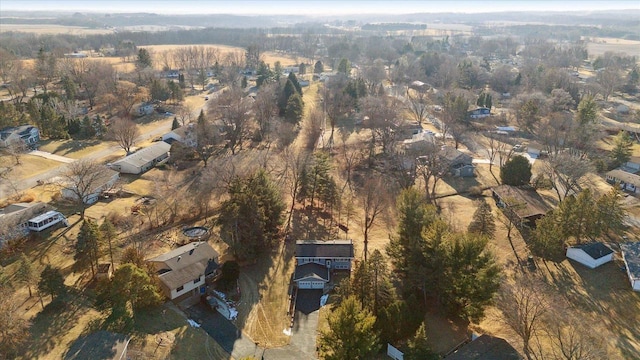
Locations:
224 332
303 338
50 156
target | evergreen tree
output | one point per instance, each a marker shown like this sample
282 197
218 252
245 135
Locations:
26 273
175 124
318 67
344 67
244 82
483 222
287 92
52 282
88 246
294 80
351 333
108 232
418 347
302 68
622 148
587 111
516 171
264 74
250 219
294 110
144 59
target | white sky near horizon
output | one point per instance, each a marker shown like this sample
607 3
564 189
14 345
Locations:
310 8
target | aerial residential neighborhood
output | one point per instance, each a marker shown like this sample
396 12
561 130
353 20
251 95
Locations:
348 180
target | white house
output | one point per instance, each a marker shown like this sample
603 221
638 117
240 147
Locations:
631 258
144 109
183 270
143 159
105 180
590 255
21 135
184 134
626 180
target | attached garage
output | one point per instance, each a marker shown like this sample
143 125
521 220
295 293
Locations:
311 276
590 255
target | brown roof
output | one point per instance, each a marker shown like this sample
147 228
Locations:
524 202
185 263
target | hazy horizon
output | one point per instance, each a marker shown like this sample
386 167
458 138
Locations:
310 8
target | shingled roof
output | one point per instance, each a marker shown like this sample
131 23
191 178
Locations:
486 347
525 203
596 250
324 249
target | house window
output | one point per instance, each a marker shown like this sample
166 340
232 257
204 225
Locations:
180 288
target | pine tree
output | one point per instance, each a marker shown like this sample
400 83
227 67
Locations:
351 333
622 148
175 124
88 246
418 346
52 282
26 273
108 232
483 222
516 171
294 80
318 67
294 110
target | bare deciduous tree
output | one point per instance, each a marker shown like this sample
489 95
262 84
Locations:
523 307
432 167
82 178
124 132
374 202
565 172
418 105
233 110
129 94
265 108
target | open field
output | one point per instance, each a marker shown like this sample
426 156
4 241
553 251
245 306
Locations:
52 29
74 149
598 46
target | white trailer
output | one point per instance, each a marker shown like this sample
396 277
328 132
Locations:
46 221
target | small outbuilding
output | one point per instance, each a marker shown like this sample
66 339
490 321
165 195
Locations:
590 255
631 258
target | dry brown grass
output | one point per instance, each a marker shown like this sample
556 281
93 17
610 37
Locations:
75 149
30 166
598 46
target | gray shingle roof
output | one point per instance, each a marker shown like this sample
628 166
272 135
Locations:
186 263
595 250
324 249
311 270
631 256
486 347
143 156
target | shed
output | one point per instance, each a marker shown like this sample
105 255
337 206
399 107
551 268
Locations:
590 255
631 258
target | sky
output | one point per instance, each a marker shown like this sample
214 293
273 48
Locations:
303 7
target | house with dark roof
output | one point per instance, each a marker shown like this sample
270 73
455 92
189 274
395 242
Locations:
486 347
183 271
590 255
27 135
143 159
316 259
526 205
631 258
626 180
479 113
101 345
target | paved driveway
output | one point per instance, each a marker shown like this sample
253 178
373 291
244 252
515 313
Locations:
224 332
303 338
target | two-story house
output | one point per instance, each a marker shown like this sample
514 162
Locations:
316 259
183 271
27 135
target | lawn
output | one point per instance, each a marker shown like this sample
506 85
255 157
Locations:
30 166
75 149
